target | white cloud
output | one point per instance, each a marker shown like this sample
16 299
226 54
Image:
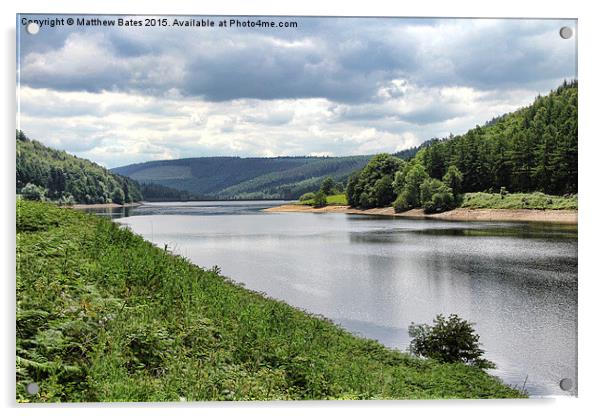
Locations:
118 128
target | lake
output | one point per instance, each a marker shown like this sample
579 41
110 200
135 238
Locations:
377 275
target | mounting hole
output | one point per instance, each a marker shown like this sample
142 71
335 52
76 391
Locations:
566 32
566 384
33 388
32 28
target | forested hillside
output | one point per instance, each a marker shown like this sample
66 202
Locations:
245 178
153 192
533 149
45 173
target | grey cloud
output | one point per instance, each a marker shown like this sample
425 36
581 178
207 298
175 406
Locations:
343 60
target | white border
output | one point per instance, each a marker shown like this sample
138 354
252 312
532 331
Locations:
589 199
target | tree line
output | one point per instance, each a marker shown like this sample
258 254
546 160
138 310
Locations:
532 149
46 173
155 192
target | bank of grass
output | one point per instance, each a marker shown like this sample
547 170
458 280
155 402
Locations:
103 315
339 199
535 200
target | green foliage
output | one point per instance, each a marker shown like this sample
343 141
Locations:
319 200
155 192
453 179
408 182
338 199
245 178
118 196
327 186
66 199
435 196
402 203
449 340
373 185
33 192
535 200
307 197
408 154
68 178
532 149
103 315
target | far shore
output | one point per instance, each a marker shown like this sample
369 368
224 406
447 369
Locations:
458 214
100 206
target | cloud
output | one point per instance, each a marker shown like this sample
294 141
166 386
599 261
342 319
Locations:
331 86
343 60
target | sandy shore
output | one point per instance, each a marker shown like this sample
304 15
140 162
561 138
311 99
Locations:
101 206
458 214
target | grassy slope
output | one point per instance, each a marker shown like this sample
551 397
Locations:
535 200
103 315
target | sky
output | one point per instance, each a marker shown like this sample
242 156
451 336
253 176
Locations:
328 87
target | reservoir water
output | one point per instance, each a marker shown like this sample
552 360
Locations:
377 275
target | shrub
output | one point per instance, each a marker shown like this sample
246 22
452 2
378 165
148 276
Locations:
436 196
66 199
401 203
440 201
320 200
306 197
33 192
449 340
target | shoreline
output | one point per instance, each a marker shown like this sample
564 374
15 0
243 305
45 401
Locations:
458 214
101 206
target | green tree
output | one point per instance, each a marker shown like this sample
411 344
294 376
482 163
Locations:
327 186
383 194
118 196
56 182
373 185
453 179
410 191
320 200
353 189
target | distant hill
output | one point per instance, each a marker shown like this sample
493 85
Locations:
43 172
245 178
